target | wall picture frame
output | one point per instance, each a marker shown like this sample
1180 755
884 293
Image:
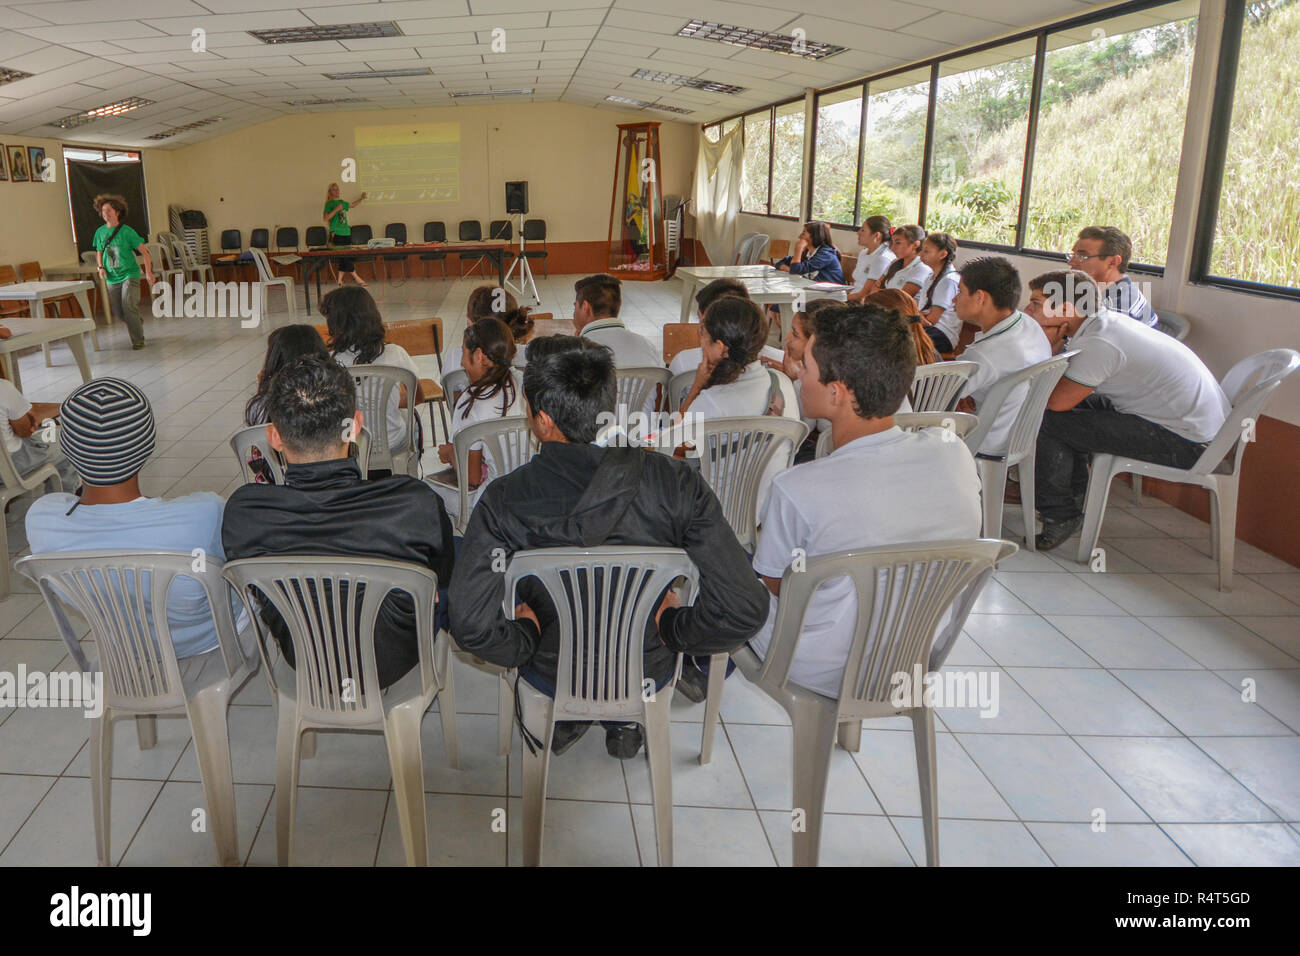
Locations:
36 163
19 170
4 164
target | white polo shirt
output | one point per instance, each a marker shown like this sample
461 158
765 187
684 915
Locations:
945 291
918 273
630 349
1015 343
1146 373
13 406
894 487
871 265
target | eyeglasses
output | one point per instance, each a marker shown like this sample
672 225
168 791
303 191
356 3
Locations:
1080 257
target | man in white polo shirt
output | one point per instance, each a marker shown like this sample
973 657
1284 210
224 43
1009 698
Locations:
597 300
1008 341
1130 391
878 487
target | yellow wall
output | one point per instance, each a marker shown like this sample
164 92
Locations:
275 173
37 224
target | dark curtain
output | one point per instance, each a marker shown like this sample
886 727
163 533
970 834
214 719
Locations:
88 180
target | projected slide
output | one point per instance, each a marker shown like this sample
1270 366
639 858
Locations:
404 164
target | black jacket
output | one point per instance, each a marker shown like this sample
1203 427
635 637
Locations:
325 508
642 499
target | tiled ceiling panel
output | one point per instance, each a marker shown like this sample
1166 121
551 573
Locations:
84 53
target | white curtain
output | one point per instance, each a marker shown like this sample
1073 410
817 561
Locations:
717 194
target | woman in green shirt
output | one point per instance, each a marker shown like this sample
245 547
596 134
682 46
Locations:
115 245
336 221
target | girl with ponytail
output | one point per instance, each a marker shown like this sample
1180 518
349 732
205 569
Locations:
941 322
874 259
495 390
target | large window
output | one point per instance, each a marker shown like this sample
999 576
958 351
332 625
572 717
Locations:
894 148
981 123
835 171
1110 129
758 154
1256 234
787 160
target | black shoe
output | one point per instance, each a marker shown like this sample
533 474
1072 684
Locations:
623 740
1055 533
693 684
568 733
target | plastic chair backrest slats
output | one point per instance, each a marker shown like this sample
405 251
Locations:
1248 385
603 599
937 387
507 444
1040 378
903 592
375 387
637 385
329 606
735 453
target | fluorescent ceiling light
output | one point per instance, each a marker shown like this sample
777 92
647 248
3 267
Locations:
99 112
337 31
645 105
12 76
326 101
177 130
694 82
521 92
378 74
759 39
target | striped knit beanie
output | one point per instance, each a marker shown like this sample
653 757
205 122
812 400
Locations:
106 430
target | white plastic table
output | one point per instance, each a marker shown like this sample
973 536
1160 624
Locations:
28 333
81 270
36 294
766 285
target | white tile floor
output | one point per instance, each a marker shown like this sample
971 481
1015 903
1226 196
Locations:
1121 699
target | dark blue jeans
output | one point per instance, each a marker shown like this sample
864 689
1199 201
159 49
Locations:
1067 439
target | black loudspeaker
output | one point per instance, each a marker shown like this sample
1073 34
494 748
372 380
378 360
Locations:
517 198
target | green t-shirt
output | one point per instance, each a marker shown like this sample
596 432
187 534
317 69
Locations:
339 221
119 257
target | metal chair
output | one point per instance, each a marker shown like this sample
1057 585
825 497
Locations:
435 232
507 442
903 593
937 387
1034 386
377 388
469 230
679 336
232 240
245 440
601 657
734 456
14 485
266 281
329 606
316 237
286 238
636 386
260 239
1218 470
123 597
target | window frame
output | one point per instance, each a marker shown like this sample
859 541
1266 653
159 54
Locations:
1221 119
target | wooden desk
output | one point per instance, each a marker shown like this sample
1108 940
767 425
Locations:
28 333
36 294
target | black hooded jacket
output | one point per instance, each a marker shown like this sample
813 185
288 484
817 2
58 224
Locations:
564 498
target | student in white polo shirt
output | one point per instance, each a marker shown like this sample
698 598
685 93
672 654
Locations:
1008 341
1103 252
907 271
874 258
1130 391
878 487
687 360
939 253
597 300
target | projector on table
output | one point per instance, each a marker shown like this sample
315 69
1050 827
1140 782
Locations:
386 243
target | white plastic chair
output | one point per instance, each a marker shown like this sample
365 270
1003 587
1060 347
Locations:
1218 470
937 387
734 454
245 440
754 249
1022 444
123 596
1177 326
741 243
679 386
636 386
194 270
599 675
267 281
376 385
329 606
14 485
903 593
508 443
454 381
164 266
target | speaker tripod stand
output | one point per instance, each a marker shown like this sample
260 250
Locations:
526 280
